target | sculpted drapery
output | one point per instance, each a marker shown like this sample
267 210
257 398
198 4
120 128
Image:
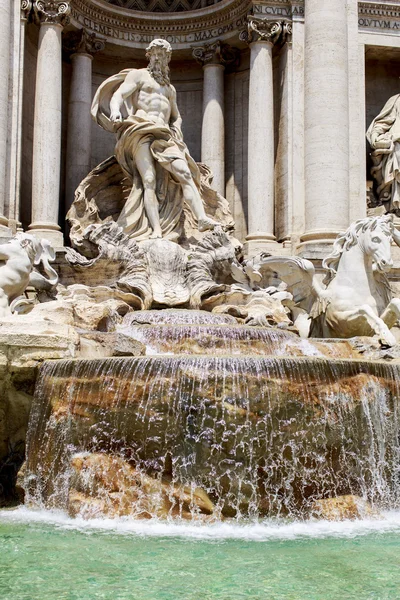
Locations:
166 145
384 136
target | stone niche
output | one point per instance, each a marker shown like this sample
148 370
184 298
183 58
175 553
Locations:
382 67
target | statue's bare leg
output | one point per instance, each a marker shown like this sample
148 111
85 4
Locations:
145 165
182 173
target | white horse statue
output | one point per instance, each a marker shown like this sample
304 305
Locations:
355 297
18 258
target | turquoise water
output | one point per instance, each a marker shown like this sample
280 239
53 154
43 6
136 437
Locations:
43 558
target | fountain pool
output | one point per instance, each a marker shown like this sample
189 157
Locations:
46 555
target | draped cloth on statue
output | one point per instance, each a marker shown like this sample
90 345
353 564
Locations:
384 129
165 147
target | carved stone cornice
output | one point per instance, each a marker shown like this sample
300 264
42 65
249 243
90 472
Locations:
83 42
182 29
216 53
266 30
379 16
52 12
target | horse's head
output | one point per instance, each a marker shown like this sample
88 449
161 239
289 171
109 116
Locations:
375 238
373 235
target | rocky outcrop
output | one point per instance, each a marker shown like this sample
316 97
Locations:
107 485
24 345
342 508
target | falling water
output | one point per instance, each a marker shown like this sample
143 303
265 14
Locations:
212 436
211 334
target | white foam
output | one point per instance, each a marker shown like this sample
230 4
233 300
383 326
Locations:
258 532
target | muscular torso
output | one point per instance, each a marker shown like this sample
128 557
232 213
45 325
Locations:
150 99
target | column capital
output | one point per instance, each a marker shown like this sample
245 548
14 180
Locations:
83 42
52 12
217 53
265 30
26 7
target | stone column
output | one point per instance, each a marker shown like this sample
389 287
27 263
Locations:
82 45
214 57
326 125
261 35
21 14
5 44
52 16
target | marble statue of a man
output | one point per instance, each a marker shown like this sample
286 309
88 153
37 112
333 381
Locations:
384 136
140 106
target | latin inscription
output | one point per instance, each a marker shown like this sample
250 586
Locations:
279 11
379 24
131 36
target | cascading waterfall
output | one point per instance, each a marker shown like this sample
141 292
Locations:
212 437
193 332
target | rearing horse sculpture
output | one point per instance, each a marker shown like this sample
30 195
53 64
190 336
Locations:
358 298
355 297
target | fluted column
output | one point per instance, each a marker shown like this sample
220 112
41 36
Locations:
22 12
326 123
82 45
5 41
214 57
47 125
261 35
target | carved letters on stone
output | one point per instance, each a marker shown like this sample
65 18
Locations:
54 12
223 19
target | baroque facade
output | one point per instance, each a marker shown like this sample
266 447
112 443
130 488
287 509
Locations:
275 95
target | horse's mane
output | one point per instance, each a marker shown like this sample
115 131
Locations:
350 238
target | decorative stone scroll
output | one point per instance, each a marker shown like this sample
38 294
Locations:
266 30
55 12
83 42
216 53
26 7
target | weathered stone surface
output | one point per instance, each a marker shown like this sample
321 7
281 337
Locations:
101 345
343 507
371 349
104 485
24 345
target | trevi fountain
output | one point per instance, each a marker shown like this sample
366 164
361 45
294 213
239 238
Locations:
200 364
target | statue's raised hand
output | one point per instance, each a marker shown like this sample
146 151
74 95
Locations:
116 117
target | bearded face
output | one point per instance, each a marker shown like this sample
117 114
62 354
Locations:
158 65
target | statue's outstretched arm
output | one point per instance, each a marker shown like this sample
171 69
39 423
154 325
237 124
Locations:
127 88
